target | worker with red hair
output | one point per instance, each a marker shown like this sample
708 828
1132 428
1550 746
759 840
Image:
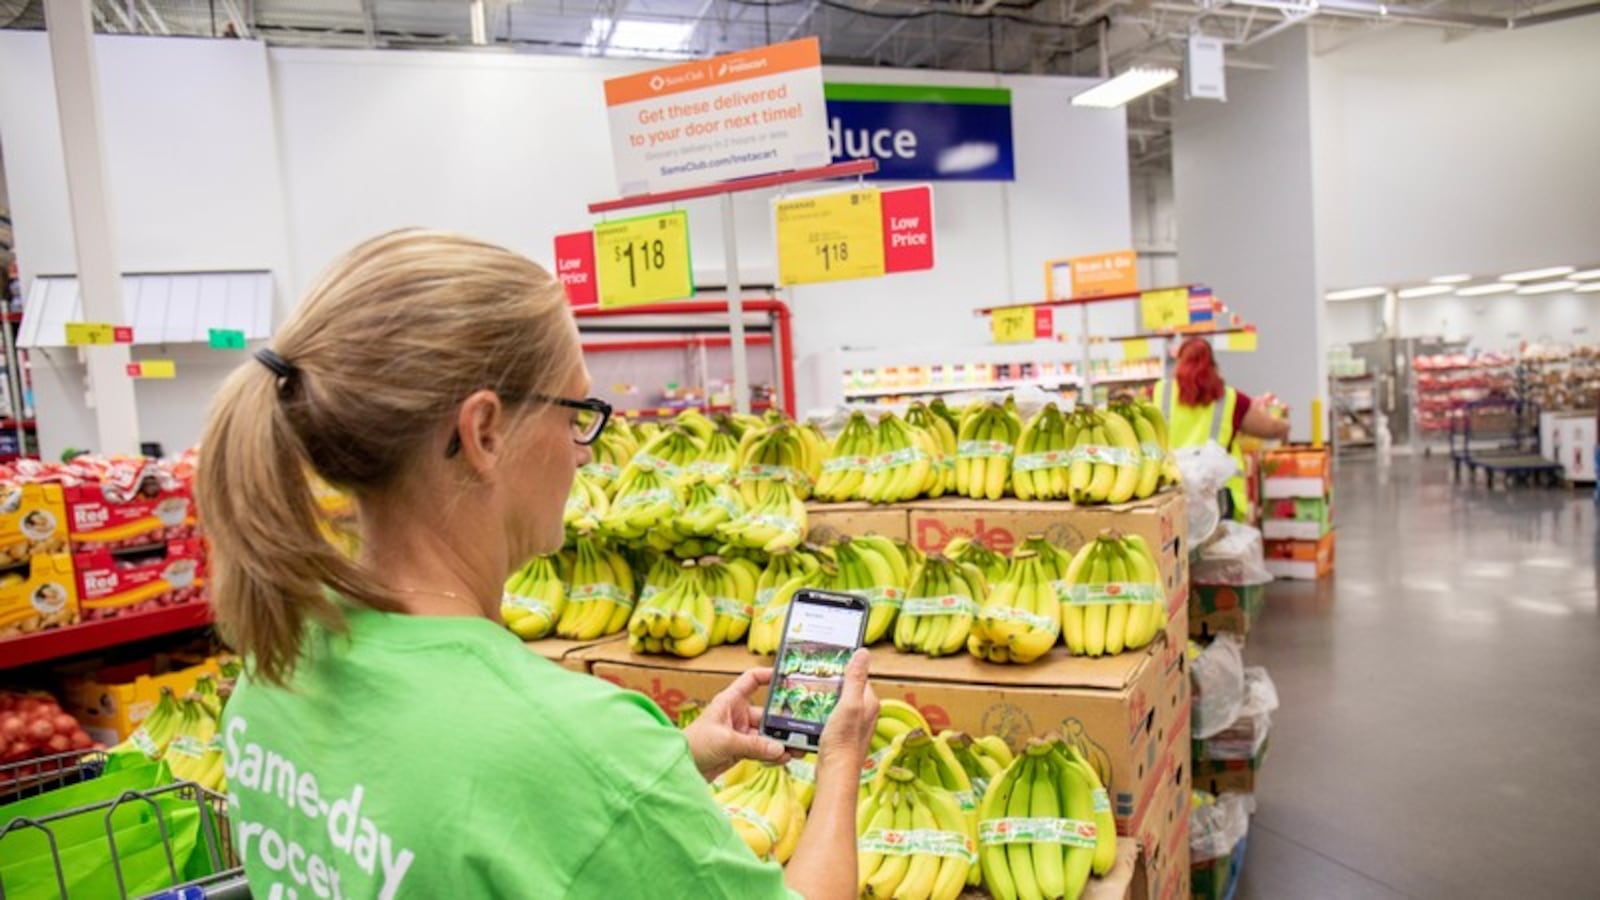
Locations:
1205 408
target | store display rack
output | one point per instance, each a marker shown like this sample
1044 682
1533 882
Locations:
86 637
1448 387
1558 377
1354 407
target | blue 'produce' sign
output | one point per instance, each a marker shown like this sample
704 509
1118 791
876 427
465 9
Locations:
923 133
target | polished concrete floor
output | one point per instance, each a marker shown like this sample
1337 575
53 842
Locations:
1439 734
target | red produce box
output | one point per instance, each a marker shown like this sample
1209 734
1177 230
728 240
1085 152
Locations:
110 586
102 518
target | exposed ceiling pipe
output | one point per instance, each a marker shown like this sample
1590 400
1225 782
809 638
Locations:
1285 25
1367 9
1558 15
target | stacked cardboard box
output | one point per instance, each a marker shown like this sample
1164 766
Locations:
1297 485
37 590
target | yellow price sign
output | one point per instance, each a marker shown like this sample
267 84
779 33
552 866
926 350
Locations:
83 334
829 237
1012 325
1164 310
1241 342
643 260
1138 348
153 368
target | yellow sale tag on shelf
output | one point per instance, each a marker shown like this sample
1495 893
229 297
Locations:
1138 348
1241 342
153 368
1164 310
1012 325
829 237
83 334
643 260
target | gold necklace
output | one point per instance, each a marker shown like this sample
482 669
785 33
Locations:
429 593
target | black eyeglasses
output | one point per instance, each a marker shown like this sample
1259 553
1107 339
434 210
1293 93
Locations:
589 419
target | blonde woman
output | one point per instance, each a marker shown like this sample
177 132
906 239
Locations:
391 738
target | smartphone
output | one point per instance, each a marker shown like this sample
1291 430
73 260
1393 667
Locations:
820 634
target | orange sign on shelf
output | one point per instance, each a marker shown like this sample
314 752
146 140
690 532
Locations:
1104 274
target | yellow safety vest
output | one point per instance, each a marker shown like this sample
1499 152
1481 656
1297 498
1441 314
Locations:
1192 426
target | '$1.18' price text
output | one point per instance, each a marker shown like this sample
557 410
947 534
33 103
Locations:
832 252
642 256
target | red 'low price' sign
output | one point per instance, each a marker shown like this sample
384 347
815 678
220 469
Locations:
575 268
907 229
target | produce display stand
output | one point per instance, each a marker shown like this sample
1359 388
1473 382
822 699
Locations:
86 637
730 244
692 327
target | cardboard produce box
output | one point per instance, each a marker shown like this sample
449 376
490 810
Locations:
100 519
111 586
40 594
1238 775
111 703
33 521
1298 518
830 521
1128 712
1296 471
1215 609
1303 560
565 653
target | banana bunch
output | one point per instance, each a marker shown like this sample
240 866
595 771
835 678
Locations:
707 506
155 733
695 421
208 696
1039 471
871 567
720 456
731 583
534 599
913 840
688 711
943 435
677 620
616 445
963 549
848 458
937 618
984 447
600 593
802 770
780 454
195 752
645 498
1108 462
934 762
586 505
896 719
766 631
767 809
1021 619
1039 831
904 466
775 523
1113 600
983 759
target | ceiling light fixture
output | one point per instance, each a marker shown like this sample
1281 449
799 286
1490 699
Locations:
1483 290
1536 274
1431 290
1355 293
1585 275
1449 279
1129 85
1548 287
1588 287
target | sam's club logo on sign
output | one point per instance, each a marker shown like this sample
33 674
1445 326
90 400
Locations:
923 133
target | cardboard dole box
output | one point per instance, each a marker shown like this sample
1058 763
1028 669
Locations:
1126 713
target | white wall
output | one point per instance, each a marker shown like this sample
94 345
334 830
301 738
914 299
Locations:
1242 172
193 178
1155 228
1475 153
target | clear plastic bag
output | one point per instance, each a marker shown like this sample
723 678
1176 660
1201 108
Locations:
1234 556
1218 685
1206 469
1217 828
1247 735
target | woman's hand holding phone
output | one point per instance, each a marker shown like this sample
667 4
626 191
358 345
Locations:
848 734
729 728
824 864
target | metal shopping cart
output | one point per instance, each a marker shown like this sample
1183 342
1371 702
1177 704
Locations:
21 781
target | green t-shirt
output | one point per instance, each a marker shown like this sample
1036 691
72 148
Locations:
436 757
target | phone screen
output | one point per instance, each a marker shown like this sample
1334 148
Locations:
820 634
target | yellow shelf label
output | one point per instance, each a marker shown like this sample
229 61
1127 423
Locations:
643 260
1138 348
830 237
83 334
1012 326
1241 342
1164 310
153 368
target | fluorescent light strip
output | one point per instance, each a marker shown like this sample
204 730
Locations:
1587 287
1355 293
1129 85
1536 274
1429 291
1483 290
1585 275
1450 279
1548 287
